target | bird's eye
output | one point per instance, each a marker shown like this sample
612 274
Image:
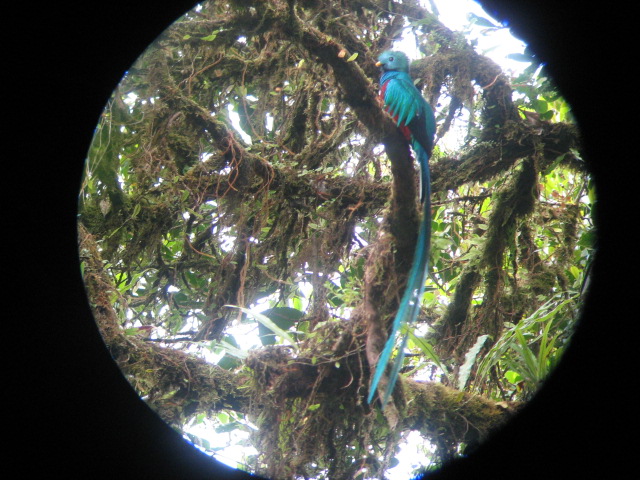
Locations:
391 59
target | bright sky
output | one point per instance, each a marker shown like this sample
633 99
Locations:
495 44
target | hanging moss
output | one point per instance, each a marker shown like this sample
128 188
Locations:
190 216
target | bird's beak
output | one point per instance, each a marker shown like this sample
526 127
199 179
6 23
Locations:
378 64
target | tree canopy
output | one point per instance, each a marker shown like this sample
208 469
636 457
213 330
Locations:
248 217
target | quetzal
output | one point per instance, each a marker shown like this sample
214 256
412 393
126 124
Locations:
414 116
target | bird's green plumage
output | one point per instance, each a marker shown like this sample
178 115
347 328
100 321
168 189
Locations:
415 118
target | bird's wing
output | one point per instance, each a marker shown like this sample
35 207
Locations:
402 99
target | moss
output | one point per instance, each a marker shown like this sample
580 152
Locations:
208 220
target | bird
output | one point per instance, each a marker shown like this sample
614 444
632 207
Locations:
415 118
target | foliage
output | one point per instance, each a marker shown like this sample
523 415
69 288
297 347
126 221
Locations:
235 167
528 351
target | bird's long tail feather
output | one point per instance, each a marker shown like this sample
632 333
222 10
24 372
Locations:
410 303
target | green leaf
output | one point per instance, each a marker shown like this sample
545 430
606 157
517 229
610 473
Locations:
548 115
241 90
520 57
481 21
283 317
136 210
267 322
231 350
591 192
540 106
352 57
227 427
530 361
228 362
427 349
513 377
210 38
469 360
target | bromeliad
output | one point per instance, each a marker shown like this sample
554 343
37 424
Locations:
415 118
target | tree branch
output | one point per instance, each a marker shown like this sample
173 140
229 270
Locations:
359 93
485 160
177 385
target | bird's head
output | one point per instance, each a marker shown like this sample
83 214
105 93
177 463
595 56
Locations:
391 60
